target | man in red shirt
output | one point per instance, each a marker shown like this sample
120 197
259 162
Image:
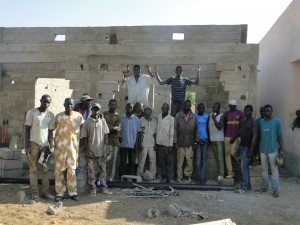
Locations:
232 122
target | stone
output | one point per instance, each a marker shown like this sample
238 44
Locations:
14 142
11 164
218 222
55 209
21 196
153 212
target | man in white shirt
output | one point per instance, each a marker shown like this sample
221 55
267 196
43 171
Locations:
39 126
138 85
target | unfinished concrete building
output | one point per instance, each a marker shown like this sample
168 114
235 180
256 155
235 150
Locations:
66 61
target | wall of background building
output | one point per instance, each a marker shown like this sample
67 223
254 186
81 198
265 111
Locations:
279 78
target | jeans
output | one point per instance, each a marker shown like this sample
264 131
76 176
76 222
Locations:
274 169
246 184
201 159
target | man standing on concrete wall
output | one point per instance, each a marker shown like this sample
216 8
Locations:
271 145
232 122
113 121
186 137
138 85
68 124
39 126
178 87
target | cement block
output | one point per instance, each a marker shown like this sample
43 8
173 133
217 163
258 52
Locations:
225 67
11 173
108 86
14 141
7 153
112 76
7 164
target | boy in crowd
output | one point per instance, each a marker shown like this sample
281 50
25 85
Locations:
247 134
201 151
94 133
113 121
216 135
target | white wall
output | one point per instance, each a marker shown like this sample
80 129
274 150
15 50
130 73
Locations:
279 77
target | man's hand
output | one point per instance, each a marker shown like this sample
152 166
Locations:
126 73
155 69
195 146
148 69
198 67
232 140
51 150
27 150
175 145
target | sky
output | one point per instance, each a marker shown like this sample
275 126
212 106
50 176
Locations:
260 15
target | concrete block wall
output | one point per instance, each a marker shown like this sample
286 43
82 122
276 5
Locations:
212 34
58 89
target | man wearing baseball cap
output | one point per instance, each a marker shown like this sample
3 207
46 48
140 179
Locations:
232 123
83 106
94 133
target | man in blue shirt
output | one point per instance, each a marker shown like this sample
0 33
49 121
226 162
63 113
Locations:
178 87
201 151
270 147
130 126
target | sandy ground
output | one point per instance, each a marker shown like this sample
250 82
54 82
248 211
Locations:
248 208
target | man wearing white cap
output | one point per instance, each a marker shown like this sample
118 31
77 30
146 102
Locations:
232 122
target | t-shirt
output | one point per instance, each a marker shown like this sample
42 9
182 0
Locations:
94 130
269 131
40 123
232 125
215 134
149 129
178 87
202 125
246 132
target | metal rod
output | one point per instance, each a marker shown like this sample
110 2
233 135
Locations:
117 184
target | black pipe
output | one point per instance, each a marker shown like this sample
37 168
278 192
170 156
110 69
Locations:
116 184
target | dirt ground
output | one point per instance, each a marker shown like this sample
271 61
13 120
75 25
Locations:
247 208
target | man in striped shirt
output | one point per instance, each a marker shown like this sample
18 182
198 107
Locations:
178 87
232 122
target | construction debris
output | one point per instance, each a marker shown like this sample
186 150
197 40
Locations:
55 209
158 192
182 211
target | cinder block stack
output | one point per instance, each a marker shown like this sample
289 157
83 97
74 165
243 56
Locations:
11 164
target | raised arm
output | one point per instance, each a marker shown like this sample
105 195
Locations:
148 70
196 81
161 82
126 74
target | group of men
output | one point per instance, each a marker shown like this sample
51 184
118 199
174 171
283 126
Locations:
172 139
